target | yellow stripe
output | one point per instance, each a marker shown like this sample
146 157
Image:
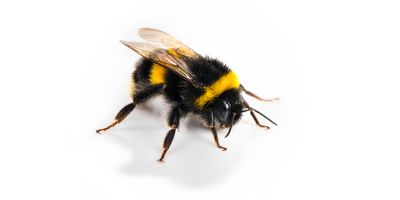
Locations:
157 74
224 83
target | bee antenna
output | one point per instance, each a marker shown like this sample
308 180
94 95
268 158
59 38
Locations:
264 116
231 124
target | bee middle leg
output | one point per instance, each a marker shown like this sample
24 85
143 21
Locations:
173 122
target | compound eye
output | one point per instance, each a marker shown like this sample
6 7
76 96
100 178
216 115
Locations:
226 111
227 105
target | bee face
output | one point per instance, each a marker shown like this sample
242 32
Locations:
227 110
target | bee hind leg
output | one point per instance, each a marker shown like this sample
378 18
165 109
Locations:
138 98
122 114
173 122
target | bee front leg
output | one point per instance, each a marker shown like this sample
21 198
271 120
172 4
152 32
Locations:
215 134
211 125
173 122
253 111
256 120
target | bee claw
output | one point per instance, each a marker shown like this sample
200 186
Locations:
160 161
264 126
99 131
222 148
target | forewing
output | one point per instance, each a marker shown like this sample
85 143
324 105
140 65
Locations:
160 38
163 58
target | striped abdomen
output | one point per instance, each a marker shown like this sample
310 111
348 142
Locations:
149 74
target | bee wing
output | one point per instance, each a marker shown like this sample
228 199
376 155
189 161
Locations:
164 58
160 38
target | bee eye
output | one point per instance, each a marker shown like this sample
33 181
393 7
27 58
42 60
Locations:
227 105
225 110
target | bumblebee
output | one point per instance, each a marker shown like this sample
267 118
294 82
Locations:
190 82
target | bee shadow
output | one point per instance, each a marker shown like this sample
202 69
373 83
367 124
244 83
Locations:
193 160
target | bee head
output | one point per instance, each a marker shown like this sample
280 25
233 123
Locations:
227 108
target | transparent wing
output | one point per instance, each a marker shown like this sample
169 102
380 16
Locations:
164 58
160 38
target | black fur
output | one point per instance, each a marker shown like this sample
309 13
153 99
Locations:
142 71
207 70
182 94
144 94
222 111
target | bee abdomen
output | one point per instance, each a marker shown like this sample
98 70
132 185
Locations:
146 75
157 74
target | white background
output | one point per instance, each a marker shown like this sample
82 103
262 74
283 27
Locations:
334 64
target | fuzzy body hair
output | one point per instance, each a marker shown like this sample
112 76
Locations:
149 80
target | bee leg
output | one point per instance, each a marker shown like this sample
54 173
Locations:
257 97
173 122
252 110
122 114
211 125
147 93
137 99
256 120
214 131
